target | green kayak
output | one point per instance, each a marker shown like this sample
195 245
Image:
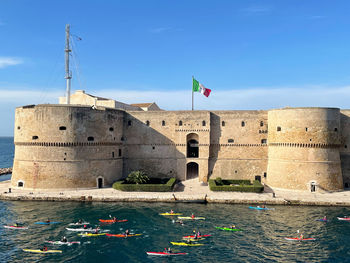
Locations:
228 229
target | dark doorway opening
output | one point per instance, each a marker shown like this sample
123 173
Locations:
100 182
20 184
313 187
192 170
258 178
192 149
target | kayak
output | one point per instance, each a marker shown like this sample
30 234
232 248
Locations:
112 220
63 243
299 239
197 236
260 208
188 217
79 224
40 251
91 234
228 229
16 227
165 254
84 229
171 214
185 244
46 223
344 218
123 235
193 239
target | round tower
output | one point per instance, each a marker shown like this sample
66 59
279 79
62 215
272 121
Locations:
65 146
303 152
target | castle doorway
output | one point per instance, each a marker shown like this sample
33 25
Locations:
99 182
192 170
258 178
192 145
313 186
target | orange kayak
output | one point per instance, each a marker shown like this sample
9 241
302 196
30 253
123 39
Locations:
123 235
111 220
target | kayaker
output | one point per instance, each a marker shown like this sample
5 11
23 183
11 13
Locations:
171 211
48 221
80 221
64 240
263 206
85 226
199 233
114 219
44 248
97 230
192 216
233 227
189 241
301 237
169 250
325 218
15 224
127 232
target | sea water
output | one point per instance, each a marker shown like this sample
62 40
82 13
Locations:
262 238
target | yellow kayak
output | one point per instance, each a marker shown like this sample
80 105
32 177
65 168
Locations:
91 234
192 239
170 214
40 251
185 244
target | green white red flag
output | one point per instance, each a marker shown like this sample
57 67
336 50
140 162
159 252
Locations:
198 87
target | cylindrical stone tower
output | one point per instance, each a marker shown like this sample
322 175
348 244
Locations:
303 151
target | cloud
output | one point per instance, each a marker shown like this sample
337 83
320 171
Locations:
9 61
159 30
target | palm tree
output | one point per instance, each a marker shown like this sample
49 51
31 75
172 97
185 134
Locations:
137 177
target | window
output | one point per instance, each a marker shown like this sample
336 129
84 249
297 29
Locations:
306 129
90 139
263 141
203 123
345 146
163 123
122 139
111 129
35 137
153 147
346 185
120 152
112 154
180 123
63 128
265 175
335 129
147 123
18 127
20 184
230 141
129 123
278 128
243 124
222 123
261 123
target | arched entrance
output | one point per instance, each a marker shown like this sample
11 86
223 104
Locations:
100 182
192 170
192 145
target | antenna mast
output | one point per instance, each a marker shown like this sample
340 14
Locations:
68 73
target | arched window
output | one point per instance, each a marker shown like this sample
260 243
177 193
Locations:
147 123
163 123
90 139
223 123
279 128
203 123
192 145
180 123
111 129
242 123
261 123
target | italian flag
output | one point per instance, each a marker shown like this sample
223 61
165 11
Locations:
198 87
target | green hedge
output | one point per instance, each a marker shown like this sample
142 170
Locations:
245 186
167 187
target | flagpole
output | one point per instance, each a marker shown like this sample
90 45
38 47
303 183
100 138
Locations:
192 92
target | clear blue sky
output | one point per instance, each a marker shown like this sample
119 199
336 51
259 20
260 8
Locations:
252 54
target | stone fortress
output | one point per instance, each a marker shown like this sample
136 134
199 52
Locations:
94 142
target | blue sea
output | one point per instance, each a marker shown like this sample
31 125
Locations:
262 238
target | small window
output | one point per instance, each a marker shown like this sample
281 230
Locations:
112 154
63 128
153 147
305 129
35 137
120 152
222 123
278 128
243 124
20 184
147 123
18 128
263 141
345 146
90 139
230 140
235 171
346 185
111 129
163 123
180 123
335 129
122 139
265 175
203 123
310 140
261 123
129 123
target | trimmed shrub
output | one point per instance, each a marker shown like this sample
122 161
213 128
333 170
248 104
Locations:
236 186
153 185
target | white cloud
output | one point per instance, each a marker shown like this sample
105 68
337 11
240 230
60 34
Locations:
9 61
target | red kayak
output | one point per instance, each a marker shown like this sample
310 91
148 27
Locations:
344 218
299 239
16 227
123 235
197 236
165 254
112 220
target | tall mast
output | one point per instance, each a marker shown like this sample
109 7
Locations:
68 74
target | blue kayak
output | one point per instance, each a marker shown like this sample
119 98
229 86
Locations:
46 223
322 220
260 208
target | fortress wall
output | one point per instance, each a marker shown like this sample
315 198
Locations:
69 157
304 148
345 146
246 156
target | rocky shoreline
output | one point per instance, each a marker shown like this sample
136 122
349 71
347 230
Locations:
5 171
